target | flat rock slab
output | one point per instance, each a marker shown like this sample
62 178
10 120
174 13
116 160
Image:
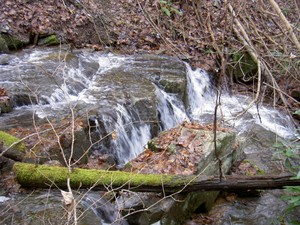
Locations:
188 149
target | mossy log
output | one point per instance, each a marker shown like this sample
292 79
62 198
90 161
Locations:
41 176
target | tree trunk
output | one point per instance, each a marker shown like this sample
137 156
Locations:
41 176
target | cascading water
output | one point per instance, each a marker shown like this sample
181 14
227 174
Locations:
128 136
171 110
92 82
202 100
104 88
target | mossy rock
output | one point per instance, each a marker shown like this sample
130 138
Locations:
16 151
245 68
9 42
5 105
3 46
177 87
49 40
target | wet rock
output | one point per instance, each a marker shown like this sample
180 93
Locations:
5 58
103 209
9 42
245 68
268 208
5 102
49 40
78 148
181 150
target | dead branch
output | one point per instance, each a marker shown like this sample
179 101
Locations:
286 23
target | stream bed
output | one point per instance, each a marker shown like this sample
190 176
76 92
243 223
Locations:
134 97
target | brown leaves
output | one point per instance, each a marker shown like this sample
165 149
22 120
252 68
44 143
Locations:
179 152
41 17
3 92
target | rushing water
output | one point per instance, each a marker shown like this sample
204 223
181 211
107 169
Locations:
123 97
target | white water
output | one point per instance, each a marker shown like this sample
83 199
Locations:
77 86
202 100
132 135
171 110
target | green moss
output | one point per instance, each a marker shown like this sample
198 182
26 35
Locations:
245 68
8 140
3 46
11 42
258 170
50 40
30 175
152 145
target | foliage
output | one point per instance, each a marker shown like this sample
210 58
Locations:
292 164
168 8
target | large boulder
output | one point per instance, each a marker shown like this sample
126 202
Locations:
119 94
185 149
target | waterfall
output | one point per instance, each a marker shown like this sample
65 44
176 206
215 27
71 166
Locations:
110 91
171 110
132 135
202 100
201 97
115 88
127 134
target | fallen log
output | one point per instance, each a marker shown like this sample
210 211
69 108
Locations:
42 176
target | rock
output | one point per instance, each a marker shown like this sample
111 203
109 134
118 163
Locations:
49 40
181 150
5 103
5 59
77 149
16 148
10 42
295 93
227 151
3 46
6 164
245 68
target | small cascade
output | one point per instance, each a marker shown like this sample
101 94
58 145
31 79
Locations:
126 133
122 92
131 135
200 93
171 110
124 105
202 100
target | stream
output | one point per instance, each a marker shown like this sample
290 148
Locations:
135 97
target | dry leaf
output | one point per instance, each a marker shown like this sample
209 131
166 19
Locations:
68 197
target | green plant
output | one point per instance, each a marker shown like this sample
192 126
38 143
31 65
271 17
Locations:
168 8
291 154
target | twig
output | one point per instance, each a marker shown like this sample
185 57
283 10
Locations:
286 23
